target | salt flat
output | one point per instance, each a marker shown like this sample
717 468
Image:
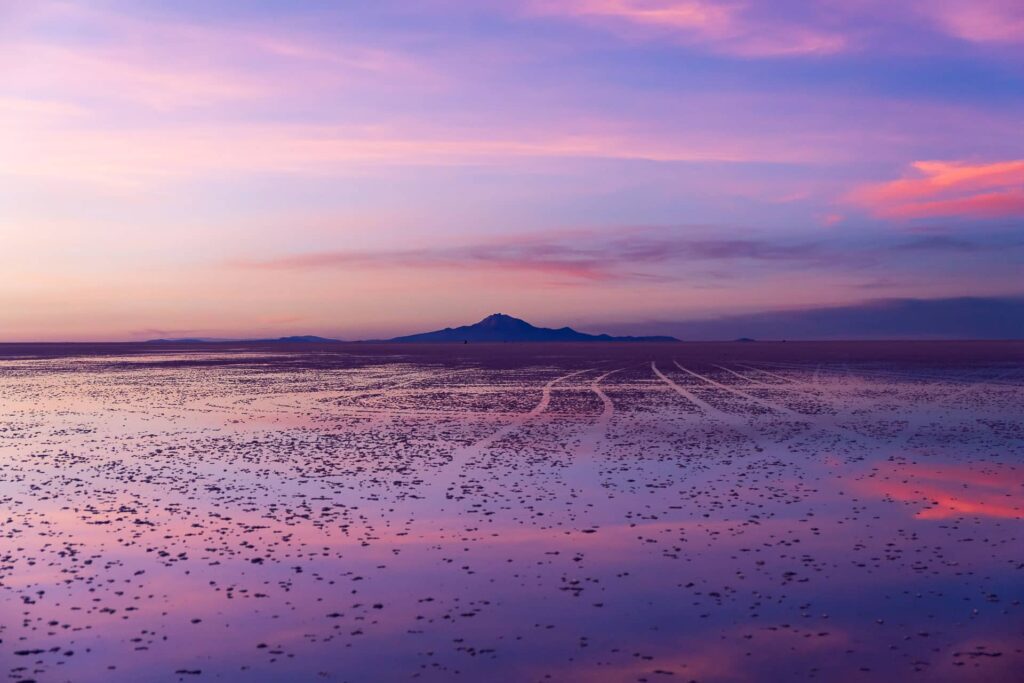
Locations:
592 512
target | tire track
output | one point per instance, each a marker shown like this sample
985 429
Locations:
916 422
732 420
787 380
743 394
749 380
700 403
444 484
608 408
584 474
935 378
817 423
519 421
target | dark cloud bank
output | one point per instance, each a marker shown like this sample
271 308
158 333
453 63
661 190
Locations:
953 318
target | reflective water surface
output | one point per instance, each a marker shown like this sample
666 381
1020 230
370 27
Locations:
607 513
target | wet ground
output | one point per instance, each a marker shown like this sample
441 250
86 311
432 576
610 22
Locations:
677 512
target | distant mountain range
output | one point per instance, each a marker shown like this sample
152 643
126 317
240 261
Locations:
494 328
504 328
302 338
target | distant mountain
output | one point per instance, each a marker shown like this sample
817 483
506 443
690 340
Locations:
504 328
302 338
189 340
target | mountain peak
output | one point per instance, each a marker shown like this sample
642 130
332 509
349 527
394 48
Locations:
500 327
502 321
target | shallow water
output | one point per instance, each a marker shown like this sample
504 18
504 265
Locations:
600 514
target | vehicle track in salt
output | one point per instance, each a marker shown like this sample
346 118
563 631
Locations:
585 466
443 485
873 373
817 422
732 420
916 422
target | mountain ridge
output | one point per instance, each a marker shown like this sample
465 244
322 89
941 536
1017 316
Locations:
499 327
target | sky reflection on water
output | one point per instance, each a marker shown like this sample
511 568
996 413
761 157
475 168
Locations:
584 518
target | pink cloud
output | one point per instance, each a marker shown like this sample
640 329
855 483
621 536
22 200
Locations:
724 27
591 270
979 21
22 108
123 74
949 188
628 254
162 63
990 205
743 28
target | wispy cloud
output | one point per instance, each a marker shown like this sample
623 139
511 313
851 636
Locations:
795 28
652 254
166 64
130 158
949 188
573 257
979 21
732 28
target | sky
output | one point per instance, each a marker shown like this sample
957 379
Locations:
364 169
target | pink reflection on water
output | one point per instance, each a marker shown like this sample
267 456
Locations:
948 491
